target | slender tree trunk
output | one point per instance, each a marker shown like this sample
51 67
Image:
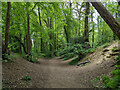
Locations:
119 22
28 36
20 36
109 19
7 28
51 34
92 30
70 7
67 39
20 49
114 36
86 32
41 29
79 31
22 44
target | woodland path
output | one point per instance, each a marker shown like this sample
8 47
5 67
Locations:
55 73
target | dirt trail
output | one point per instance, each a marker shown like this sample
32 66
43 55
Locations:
55 73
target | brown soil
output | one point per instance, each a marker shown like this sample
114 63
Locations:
55 73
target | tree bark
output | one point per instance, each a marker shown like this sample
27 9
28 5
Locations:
20 43
92 29
108 18
28 36
20 49
41 29
67 39
119 22
50 34
7 28
86 32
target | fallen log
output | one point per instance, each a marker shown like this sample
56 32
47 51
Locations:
82 63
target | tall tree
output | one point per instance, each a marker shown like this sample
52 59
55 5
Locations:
92 29
41 29
7 28
86 31
28 35
109 19
28 38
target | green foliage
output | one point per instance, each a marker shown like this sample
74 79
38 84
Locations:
26 78
114 81
48 54
105 45
91 50
15 55
85 58
97 79
55 16
69 57
115 72
117 66
74 61
113 49
6 58
106 79
28 57
117 58
79 50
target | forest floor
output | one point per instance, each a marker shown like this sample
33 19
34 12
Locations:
55 73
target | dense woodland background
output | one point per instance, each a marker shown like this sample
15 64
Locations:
45 28
66 29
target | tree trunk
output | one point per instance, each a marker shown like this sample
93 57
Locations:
86 32
41 29
92 30
114 35
119 22
22 44
109 19
67 39
28 36
20 49
7 28
50 35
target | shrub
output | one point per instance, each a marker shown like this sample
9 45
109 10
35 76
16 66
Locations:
105 45
74 61
117 58
91 50
30 58
79 50
26 78
114 81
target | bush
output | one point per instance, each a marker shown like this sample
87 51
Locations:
91 50
30 58
105 45
69 57
74 61
79 50
6 57
117 58
114 81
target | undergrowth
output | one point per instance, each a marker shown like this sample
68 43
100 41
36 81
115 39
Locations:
112 82
26 78
6 57
74 61
76 50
